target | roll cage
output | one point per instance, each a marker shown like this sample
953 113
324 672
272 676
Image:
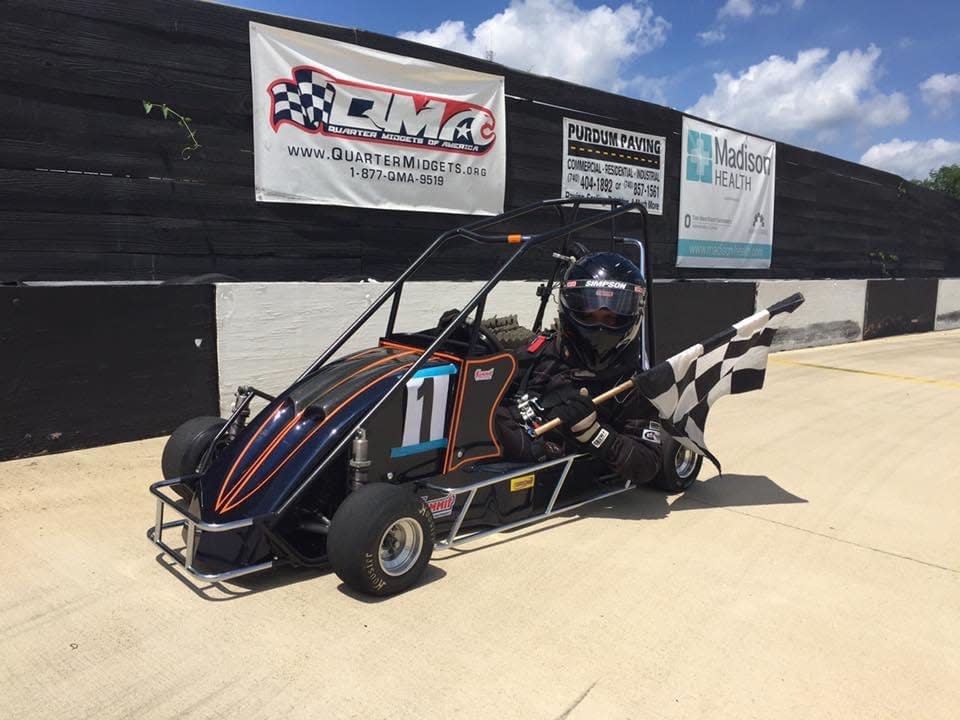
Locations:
473 232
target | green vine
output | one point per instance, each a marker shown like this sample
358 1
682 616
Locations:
884 258
184 122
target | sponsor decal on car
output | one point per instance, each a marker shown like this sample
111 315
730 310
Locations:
442 506
524 482
482 375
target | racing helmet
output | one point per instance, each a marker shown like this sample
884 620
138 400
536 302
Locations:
602 298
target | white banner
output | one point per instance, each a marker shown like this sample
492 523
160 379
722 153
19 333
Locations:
614 163
339 124
726 198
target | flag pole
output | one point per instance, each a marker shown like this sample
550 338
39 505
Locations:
601 398
787 305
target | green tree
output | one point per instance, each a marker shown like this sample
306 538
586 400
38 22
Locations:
946 180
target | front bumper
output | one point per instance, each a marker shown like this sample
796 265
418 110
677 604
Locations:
193 526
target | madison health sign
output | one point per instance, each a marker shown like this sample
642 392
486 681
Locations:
339 124
726 198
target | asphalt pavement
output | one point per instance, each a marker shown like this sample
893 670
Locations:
818 577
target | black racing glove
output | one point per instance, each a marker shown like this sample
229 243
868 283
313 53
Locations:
579 417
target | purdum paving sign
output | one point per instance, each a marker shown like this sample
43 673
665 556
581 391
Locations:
608 162
726 198
340 124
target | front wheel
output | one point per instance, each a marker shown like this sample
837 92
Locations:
680 466
380 539
185 448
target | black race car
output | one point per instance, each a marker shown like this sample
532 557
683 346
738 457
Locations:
369 461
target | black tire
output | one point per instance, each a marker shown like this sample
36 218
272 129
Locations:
357 541
185 447
680 466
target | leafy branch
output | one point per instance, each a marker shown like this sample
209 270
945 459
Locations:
170 114
884 258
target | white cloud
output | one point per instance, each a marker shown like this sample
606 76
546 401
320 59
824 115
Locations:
939 90
711 37
651 89
797 4
736 9
912 159
558 38
783 98
883 110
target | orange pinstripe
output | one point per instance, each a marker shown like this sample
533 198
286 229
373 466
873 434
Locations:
234 502
226 500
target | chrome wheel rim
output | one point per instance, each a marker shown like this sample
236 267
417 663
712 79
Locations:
685 462
400 546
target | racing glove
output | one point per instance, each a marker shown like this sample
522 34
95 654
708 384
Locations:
579 417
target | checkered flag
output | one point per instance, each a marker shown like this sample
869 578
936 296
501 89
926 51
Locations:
306 101
685 386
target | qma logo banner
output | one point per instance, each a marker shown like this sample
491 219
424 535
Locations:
315 101
340 124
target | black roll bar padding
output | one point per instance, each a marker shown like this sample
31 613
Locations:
617 208
475 329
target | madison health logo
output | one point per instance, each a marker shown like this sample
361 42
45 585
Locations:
699 156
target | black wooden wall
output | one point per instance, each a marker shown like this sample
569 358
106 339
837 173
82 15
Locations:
86 365
91 188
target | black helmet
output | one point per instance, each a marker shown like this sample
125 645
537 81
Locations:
601 305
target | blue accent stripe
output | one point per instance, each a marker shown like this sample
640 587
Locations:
723 249
436 370
418 448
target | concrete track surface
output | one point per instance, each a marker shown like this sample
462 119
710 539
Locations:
819 577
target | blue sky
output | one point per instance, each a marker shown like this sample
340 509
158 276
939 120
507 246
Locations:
875 82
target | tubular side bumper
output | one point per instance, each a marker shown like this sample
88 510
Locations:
454 538
193 527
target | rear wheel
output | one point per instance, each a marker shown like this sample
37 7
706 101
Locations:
185 448
380 539
680 466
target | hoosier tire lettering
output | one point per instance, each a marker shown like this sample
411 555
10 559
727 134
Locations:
381 539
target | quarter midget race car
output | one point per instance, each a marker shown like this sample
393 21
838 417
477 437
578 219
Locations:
368 462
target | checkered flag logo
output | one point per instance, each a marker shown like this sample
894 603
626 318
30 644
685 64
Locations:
685 386
304 101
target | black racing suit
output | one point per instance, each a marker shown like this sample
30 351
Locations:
633 451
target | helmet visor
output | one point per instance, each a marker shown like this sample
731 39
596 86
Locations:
603 302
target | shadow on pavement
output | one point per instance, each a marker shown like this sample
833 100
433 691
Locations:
243 586
430 575
644 503
735 491
719 491
648 503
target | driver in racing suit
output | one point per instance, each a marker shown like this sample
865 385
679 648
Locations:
602 298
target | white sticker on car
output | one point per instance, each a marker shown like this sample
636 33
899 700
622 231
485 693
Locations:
442 506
